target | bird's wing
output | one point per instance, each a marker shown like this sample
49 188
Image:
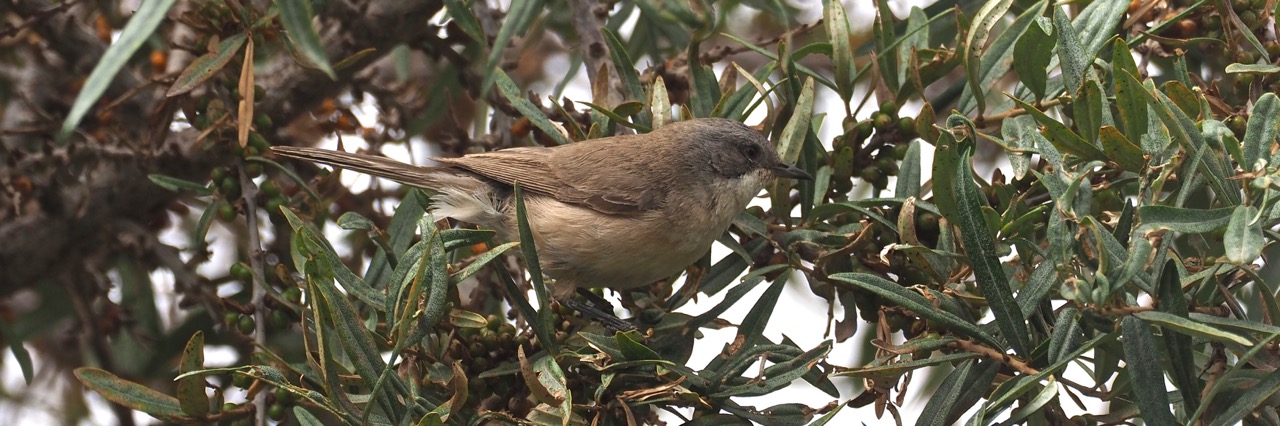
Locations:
574 174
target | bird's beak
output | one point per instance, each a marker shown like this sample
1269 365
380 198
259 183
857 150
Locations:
789 171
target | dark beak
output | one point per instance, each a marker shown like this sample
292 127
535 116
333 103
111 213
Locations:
789 171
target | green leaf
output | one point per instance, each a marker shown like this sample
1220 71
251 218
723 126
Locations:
1181 96
913 301
791 142
734 294
1071 53
1062 137
1247 403
958 392
1037 287
908 184
1035 405
806 71
140 27
552 378
1033 58
190 392
20 353
958 138
632 350
981 251
659 103
1184 130
1183 219
1061 363
513 94
131 395
1192 328
631 86
983 21
544 319
837 23
1130 104
1182 367
1260 134
175 184
883 31
1087 111
1243 241
305 418
1252 69
793 134
309 237
1143 362
354 221
206 65
778 375
706 90
466 20
519 17
1121 150
296 16
893 370
914 40
999 56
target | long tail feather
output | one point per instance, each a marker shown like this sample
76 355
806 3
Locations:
408 174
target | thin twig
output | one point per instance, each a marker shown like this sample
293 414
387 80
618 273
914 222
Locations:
1004 358
247 191
993 119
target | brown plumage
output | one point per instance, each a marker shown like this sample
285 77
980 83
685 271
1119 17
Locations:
617 212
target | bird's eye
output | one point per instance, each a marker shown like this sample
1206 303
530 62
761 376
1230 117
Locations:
752 151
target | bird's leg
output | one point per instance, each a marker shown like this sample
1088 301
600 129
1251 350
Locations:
596 299
597 311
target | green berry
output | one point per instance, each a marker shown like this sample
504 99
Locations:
246 325
863 130
889 108
241 271
293 294
870 174
276 412
278 320
900 151
887 166
270 188
230 188
881 120
257 141
225 211
1237 125
907 127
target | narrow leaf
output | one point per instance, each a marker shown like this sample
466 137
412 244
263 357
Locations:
1260 133
1033 58
1143 362
206 65
983 21
1244 240
139 28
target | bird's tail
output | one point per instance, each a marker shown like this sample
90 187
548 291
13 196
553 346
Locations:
408 174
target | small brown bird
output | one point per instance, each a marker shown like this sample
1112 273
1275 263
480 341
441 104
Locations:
617 212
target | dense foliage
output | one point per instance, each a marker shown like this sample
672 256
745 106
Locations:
1114 268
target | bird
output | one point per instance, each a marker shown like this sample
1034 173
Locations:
617 212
